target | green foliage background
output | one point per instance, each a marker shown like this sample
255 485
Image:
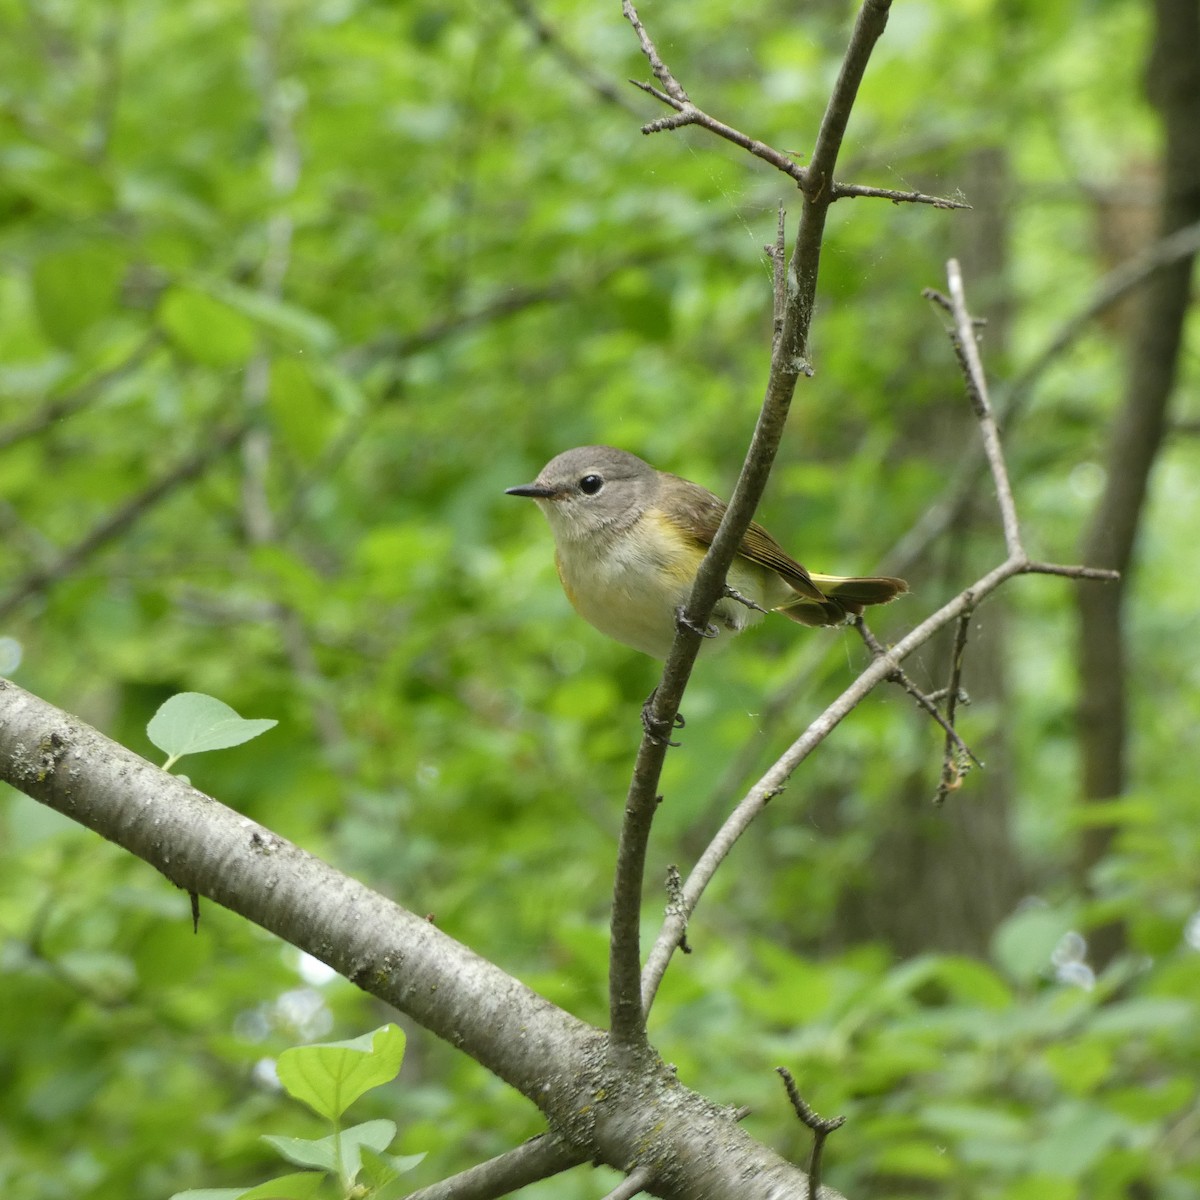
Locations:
484 262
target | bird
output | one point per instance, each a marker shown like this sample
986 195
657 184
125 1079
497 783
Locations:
629 540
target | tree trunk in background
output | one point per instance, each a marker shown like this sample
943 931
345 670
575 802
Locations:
1173 84
942 879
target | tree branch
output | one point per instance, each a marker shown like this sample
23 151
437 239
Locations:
808 180
788 363
559 1062
885 665
539 1158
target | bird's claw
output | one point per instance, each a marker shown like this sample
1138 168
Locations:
704 631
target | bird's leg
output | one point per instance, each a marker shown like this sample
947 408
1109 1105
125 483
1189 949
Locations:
705 631
734 594
655 729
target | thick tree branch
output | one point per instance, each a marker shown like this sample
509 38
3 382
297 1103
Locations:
625 1118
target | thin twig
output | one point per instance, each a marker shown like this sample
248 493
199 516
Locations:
539 1158
966 344
843 191
952 764
1013 397
688 113
925 702
1100 574
821 1128
632 1185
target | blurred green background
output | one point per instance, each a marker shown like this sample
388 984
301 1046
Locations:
425 247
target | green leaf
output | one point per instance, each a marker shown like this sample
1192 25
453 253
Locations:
1023 943
382 1173
329 1077
75 288
191 722
206 330
305 1152
301 1185
287 320
323 1152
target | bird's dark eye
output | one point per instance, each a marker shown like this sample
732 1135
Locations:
589 485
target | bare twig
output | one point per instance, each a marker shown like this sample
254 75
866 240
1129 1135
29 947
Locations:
672 94
632 1185
883 667
925 702
539 1158
118 522
821 1128
967 348
788 363
842 191
1013 397
953 767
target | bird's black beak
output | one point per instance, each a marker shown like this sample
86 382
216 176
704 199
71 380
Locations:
535 491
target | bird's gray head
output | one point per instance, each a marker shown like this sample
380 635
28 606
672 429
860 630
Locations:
591 490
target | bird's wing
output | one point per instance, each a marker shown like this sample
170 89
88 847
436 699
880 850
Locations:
704 513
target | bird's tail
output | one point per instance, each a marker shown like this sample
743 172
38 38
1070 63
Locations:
842 597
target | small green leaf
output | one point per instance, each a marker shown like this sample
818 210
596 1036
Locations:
75 288
304 1152
323 1152
302 1185
329 1077
295 324
191 722
206 330
379 1170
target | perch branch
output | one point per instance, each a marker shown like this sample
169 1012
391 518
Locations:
788 363
885 665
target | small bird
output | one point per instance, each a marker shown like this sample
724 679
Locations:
629 540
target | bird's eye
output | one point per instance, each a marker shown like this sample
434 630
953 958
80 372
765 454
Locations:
589 485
